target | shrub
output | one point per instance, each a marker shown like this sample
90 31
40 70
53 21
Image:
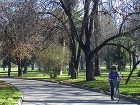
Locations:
52 59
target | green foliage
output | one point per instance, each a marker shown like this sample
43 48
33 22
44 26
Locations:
52 59
8 95
138 73
116 55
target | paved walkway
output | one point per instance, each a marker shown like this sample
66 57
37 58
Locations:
47 93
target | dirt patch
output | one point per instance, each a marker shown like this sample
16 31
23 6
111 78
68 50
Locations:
4 84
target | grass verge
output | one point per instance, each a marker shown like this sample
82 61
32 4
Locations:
8 94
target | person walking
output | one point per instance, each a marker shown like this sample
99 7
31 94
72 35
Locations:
113 79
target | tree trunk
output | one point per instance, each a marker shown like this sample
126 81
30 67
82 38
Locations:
9 68
25 67
134 59
130 61
82 63
97 68
69 69
134 67
39 67
32 65
9 65
96 36
89 69
77 60
19 68
3 65
62 41
73 72
119 58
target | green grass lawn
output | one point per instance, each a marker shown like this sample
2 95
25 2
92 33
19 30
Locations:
8 94
14 72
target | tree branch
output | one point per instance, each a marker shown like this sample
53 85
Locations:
112 38
50 32
63 24
126 17
119 45
75 33
134 67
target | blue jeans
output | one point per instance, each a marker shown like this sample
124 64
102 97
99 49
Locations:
113 84
112 88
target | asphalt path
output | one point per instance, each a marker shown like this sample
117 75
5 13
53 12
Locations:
47 93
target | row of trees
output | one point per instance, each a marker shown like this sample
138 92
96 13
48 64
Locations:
53 31
90 28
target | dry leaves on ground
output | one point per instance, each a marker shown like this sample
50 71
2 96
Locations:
4 84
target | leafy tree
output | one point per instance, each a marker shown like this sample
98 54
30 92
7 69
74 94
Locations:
84 38
21 35
117 56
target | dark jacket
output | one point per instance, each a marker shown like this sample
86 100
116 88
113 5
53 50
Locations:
113 75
